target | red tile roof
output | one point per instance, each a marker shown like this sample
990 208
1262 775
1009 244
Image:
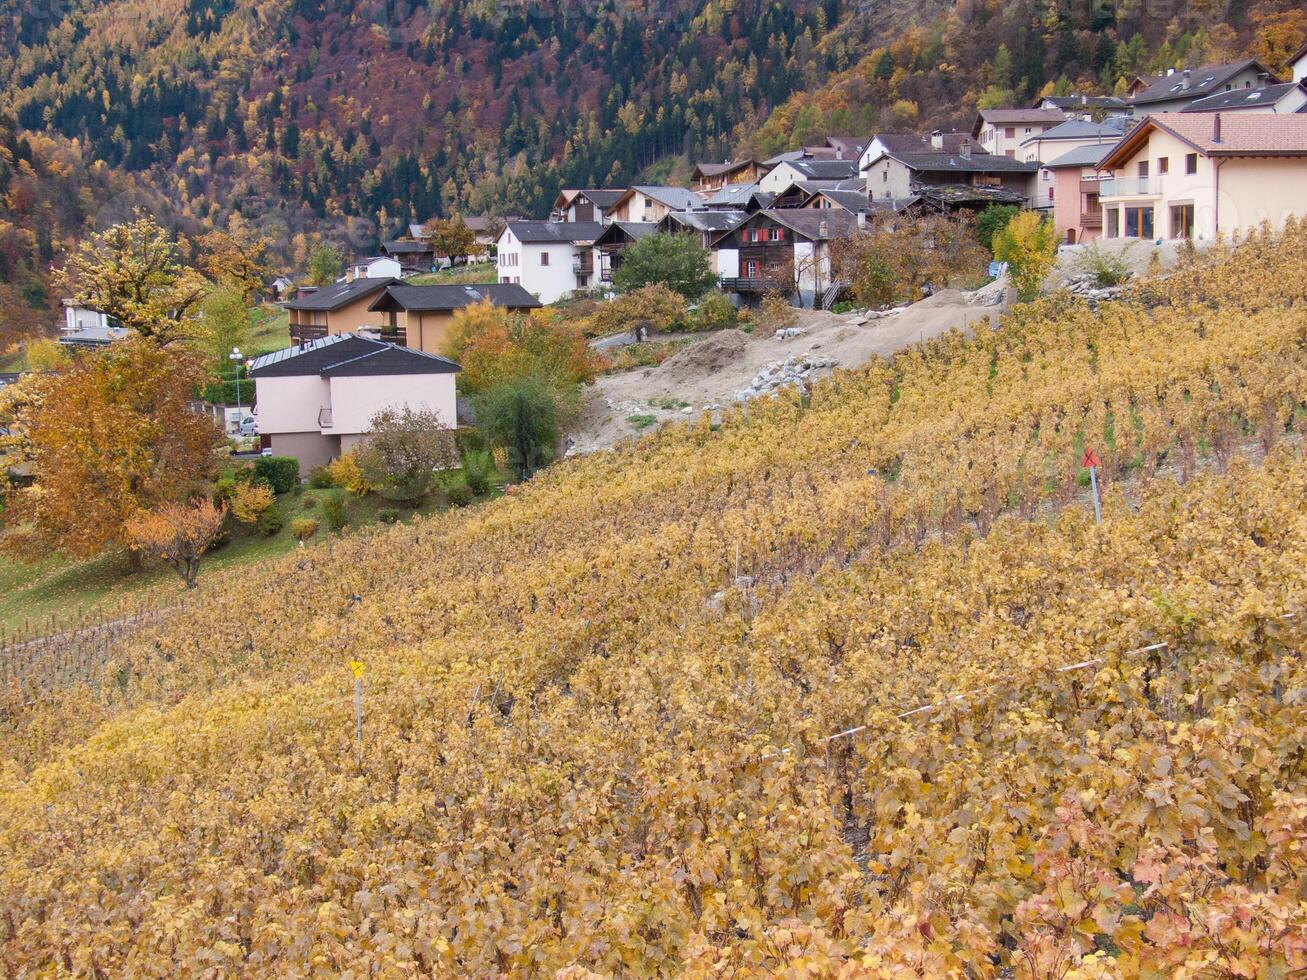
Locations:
1240 134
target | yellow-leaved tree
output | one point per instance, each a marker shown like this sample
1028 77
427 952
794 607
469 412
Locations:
178 534
1029 247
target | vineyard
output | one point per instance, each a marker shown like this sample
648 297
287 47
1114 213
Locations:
597 714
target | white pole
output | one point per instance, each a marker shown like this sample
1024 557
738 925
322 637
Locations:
358 708
1093 483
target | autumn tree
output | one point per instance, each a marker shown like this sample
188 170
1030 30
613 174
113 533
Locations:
178 534
404 452
451 237
224 323
894 263
508 346
47 355
679 262
103 440
133 272
521 417
1029 247
325 264
236 261
19 320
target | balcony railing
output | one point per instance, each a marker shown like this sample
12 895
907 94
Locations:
324 418
1091 219
755 284
1129 187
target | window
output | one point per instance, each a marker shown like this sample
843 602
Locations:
1191 163
1182 221
1143 169
1050 193
777 235
752 268
1047 174
1027 130
884 176
1010 154
1112 219
544 258
1010 132
1163 165
1139 222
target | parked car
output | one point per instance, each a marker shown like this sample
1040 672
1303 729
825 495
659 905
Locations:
249 426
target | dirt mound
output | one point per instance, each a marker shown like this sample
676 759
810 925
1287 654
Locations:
710 354
945 297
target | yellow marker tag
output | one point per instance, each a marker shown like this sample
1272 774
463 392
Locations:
357 667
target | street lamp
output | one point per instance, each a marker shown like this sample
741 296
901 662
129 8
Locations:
235 358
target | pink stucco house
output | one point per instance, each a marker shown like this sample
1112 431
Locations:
1076 211
317 400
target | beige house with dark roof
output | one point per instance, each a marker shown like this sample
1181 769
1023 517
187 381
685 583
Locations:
1002 131
1199 175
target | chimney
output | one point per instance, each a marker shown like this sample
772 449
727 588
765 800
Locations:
1216 127
1185 82
964 149
937 140
823 229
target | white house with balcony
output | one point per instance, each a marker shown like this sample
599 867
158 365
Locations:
549 259
1198 175
317 400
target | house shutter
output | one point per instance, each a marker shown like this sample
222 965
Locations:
780 234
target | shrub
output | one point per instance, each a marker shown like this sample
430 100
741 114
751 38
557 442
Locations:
1106 268
281 473
404 452
641 312
303 528
249 501
388 515
992 220
308 502
333 511
775 312
271 521
321 478
346 473
478 468
522 419
459 495
714 312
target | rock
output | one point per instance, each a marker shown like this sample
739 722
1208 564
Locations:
687 410
786 333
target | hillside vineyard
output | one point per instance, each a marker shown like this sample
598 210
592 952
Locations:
595 712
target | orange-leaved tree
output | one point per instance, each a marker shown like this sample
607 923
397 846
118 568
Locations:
542 345
106 438
178 534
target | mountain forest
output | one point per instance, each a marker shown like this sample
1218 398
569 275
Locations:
298 118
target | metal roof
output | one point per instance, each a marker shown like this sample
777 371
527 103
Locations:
563 232
1247 98
348 354
1081 156
1195 83
1080 129
704 220
339 294
401 296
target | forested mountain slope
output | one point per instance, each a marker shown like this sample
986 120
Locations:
598 713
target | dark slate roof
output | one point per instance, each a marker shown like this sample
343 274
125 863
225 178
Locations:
1079 129
338 294
680 198
1203 81
703 220
808 221
826 169
348 354
1065 102
717 169
730 195
621 231
1242 98
852 201
935 162
401 297
1081 156
602 199
556 231
897 143
406 248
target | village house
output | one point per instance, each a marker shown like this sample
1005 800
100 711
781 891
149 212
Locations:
1175 90
339 308
1199 175
1283 98
78 317
796 194
550 259
1090 107
374 267
788 172
784 250
708 225
1077 215
1055 143
975 179
584 205
1298 65
901 143
713 176
650 203
615 240
413 256
420 316
317 400
1002 131
731 197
